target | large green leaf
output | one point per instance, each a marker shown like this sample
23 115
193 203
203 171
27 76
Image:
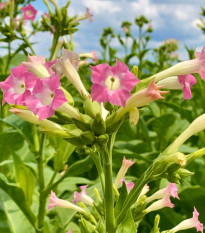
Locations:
17 195
5 224
25 178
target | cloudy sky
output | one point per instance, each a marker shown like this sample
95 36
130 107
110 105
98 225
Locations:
170 19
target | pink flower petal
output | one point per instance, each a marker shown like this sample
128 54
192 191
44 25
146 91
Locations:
99 93
119 97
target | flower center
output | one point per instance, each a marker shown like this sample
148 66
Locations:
45 97
112 82
18 86
29 12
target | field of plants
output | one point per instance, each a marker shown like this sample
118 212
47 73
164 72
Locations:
109 141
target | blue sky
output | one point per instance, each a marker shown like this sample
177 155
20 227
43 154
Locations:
170 18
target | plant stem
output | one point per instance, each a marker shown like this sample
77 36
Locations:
109 196
55 42
96 158
28 43
35 138
42 196
132 197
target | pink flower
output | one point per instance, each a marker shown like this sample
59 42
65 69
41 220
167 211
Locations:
46 97
200 60
46 15
123 170
53 29
112 84
125 28
29 12
17 87
170 190
55 201
2 4
129 185
70 231
127 162
164 202
189 223
89 15
82 196
94 56
187 81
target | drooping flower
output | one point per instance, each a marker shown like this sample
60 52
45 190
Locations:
112 84
170 190
29 12
89 15
179 82
189 223
125 165
82 196
164 202
39 66
68 65
46 126
17 87
46 97
55 201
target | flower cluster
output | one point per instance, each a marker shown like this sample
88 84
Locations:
34 85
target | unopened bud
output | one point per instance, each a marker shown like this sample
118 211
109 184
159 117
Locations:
134 116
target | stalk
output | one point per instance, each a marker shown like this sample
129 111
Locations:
42 196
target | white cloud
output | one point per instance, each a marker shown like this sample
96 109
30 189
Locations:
98 6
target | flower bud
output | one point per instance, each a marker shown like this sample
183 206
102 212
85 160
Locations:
133 116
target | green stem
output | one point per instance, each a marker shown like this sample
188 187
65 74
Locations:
133 195
29 44
48 6
42 196
8 59
109 196
52 179
55 42
35 138
97 160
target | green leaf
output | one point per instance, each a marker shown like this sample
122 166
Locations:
79 167
5 224
25 178
121 200
62 153
18 197
127 225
